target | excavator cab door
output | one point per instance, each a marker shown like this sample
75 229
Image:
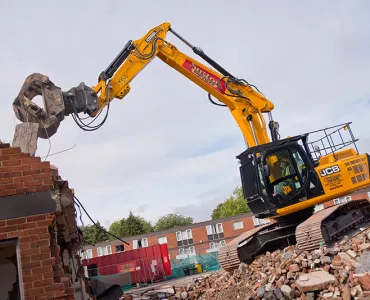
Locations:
277 175
291 177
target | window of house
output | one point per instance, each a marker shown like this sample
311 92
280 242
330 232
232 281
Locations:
238 225
108 250
120 248
215 232
182 251
184 238
214 245
137 244
144 242
100 251
342 200
191 250
258 222
162 240
89 253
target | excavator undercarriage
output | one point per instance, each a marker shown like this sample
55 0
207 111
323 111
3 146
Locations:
323 228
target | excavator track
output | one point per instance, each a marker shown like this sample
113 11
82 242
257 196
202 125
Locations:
228 254
329 225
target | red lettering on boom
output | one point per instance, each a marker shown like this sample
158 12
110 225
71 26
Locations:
204 75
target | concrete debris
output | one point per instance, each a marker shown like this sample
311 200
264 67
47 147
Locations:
325 273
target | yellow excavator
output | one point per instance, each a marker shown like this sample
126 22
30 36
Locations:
282 179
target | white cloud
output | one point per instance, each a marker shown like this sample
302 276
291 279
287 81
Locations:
310 59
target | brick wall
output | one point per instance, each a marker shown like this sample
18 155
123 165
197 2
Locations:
44 275
20 173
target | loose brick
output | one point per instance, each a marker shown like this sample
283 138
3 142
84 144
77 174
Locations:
27 226
32 183
24 246
31 251
41 166
20 155
44 236
42 176
40 243
16 221
31 172
41 256
45 249
37 230
18 233
8 228
29 238
42 188
48 262
36 218
13 186
46 296
40 270
8 193
31 160
2 223
30 278
55 287
27 285
25 259
6 180
15 162
48 182
70 290
12 174
44 223
34 291
14 150
26 272
31 265
21 168
23 179
47 275
43 282
5 157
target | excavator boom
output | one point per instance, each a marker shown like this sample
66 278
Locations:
243 100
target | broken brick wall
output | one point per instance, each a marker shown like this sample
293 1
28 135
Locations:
36 209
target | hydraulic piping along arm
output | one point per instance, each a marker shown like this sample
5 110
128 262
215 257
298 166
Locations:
245 103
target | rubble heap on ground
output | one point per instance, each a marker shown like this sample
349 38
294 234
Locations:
340 272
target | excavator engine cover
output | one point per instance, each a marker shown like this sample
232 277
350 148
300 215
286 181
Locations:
26 110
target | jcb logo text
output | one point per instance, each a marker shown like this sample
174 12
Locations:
329 171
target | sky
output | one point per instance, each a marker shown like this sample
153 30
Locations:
165 148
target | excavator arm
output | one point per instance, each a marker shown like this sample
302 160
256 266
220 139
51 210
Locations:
243 100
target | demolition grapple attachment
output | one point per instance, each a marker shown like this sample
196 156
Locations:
57 104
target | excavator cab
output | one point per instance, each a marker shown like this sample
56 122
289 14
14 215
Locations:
278 174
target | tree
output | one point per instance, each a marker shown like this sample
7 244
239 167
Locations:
172 220
234 205
133 225
93 234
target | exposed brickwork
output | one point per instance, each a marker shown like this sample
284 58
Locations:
43 273
21 173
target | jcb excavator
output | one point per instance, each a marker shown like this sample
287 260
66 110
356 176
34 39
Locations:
282 179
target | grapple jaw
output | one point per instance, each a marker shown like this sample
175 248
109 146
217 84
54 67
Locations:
57 104
26 110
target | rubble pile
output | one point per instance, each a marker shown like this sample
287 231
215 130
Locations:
339 272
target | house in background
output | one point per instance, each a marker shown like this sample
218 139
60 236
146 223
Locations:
199 238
